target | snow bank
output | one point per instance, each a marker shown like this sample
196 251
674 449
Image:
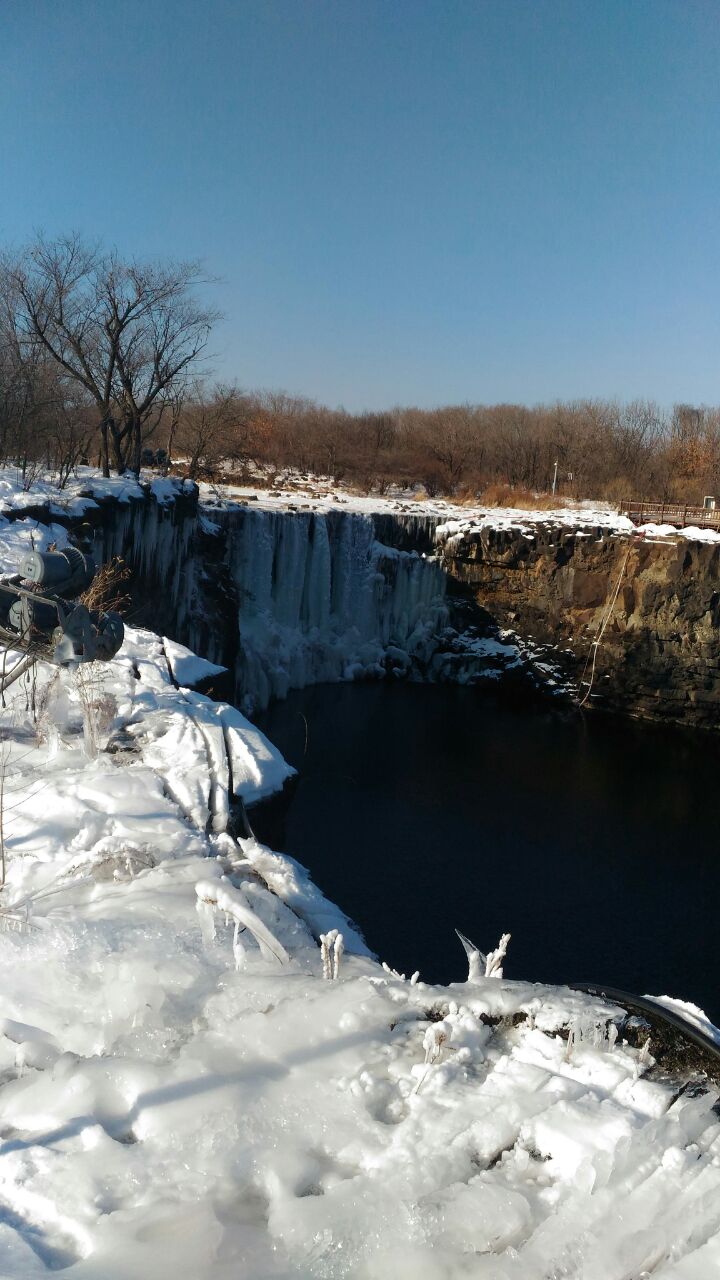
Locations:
185 666
185 1096
692 1014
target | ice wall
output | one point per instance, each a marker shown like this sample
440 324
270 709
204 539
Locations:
319 598
281 598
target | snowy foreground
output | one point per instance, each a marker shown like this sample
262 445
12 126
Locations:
193 1088
185 1095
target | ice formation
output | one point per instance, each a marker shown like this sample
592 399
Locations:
319 598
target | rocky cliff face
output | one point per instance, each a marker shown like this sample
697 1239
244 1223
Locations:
659 602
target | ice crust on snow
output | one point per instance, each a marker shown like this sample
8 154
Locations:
183 1098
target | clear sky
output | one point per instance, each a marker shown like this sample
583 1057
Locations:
408 201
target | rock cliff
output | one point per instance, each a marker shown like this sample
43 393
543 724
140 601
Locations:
657 599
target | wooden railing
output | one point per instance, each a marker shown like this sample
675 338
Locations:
680 514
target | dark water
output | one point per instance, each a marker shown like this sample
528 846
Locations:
594 841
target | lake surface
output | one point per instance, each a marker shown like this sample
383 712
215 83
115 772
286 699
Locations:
594 841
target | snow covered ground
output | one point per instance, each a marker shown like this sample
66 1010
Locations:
85 487
184 1095
319 493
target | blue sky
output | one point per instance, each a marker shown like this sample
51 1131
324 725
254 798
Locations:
407 201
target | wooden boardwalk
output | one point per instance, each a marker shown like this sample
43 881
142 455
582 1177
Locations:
679 514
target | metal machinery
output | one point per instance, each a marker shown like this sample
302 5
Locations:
41 616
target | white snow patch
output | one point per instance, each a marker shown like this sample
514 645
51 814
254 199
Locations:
187 669
691 1013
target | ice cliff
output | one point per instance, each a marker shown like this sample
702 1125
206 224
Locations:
282 599
319 598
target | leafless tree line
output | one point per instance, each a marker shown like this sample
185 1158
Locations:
101 361
603 449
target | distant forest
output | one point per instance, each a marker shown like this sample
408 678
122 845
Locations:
603 449
101 361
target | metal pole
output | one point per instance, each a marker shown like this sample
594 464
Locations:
18 670
554 483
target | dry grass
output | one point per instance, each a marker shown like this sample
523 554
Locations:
106 589
505 495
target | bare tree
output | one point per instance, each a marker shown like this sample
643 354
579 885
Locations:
127 332
206 427
453 441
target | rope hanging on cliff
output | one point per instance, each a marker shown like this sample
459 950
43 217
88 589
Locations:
596 642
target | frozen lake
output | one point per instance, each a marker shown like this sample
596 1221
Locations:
593 841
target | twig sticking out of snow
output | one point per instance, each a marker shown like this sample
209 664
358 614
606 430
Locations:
433 1040
219 895
414 977
332 946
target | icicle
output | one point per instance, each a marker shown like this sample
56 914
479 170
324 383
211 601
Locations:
222 896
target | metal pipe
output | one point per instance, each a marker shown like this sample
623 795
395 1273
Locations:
17 671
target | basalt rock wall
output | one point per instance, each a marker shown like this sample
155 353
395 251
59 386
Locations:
657 600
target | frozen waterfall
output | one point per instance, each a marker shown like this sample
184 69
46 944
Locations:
281 598
319 598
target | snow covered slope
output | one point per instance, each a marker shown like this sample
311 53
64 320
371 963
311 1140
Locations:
186 1097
